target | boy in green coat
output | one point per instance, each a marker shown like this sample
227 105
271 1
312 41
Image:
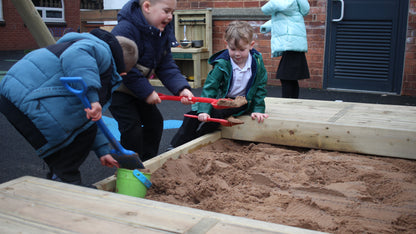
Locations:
238 71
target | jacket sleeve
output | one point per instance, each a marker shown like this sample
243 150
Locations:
211 89
138 83
266 27
304 7
260 92
101 145
86 59
170 75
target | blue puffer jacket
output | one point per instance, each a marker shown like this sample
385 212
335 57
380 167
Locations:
287 25
33 86
154 52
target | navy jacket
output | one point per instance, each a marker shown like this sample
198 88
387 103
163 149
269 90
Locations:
154 53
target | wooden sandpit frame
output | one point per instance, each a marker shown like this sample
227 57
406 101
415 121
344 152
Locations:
369 129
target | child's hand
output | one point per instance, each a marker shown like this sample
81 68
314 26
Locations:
203 117
95 112
259 116
108 161
187 96
153 98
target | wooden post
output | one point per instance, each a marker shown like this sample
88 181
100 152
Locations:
34 22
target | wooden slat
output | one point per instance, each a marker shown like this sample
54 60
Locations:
384 130
35 205
98 15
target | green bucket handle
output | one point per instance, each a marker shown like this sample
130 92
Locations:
142 178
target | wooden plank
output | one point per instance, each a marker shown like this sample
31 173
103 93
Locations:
384 130
35 205
98 15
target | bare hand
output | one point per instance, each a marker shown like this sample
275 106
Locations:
259 116
187 96
108 161
94 113
153 98
203 117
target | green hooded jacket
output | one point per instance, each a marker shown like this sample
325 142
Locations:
219 81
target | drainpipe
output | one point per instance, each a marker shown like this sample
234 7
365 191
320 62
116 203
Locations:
34 22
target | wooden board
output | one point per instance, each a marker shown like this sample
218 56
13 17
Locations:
383 130
35 205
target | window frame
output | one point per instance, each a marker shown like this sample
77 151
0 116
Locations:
44 11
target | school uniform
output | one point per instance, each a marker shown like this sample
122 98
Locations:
224 81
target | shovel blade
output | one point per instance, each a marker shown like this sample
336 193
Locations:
130 162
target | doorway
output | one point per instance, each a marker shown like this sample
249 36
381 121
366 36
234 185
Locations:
365 45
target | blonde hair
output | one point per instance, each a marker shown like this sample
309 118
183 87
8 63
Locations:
130 52
239 31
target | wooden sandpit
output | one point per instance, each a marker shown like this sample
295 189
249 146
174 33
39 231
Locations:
370 188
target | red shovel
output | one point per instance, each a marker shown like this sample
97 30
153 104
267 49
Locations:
223 122
226 102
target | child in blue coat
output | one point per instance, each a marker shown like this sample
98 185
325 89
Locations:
51 118
140 122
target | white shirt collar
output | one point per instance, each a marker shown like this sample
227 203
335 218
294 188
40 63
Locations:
246 66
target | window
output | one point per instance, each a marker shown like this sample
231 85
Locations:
1 10
92 4
50 10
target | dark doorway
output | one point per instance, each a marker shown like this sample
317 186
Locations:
365 45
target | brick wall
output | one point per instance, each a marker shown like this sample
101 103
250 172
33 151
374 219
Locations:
409 79
16 36
315 25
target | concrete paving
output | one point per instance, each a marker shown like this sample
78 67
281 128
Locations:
17 158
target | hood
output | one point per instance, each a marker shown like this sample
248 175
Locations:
223 54
101 37
115 47
132 13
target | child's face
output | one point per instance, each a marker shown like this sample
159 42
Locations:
239 53
159 14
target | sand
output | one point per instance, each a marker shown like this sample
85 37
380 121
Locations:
228 102
313 189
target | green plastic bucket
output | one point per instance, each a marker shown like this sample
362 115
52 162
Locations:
132 182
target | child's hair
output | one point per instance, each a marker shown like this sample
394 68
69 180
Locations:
130 52
151 1
239 31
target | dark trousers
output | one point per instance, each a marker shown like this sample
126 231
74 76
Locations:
140 124
290 88
192 128
66 162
